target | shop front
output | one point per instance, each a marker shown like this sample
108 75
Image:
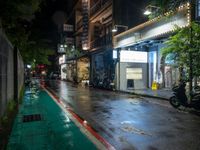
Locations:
133 70
83 68
140 61
102 69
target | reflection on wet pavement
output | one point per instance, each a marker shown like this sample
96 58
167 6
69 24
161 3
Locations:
41 124
130 122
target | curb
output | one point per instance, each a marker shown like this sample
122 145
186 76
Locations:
132 93
150 96
83 123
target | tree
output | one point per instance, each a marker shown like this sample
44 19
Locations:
165 6
37 52
185 45
16 17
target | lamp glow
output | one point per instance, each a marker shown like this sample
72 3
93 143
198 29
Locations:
28 66
150 8
85 48
147 12
114 30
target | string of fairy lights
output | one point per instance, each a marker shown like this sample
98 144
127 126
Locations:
185 7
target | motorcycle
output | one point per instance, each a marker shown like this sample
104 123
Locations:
179 97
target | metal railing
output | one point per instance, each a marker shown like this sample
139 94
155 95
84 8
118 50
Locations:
101 42
79 24
98 6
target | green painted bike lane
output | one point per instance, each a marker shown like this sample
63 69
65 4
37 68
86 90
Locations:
42 124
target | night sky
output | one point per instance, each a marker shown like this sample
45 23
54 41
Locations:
47 20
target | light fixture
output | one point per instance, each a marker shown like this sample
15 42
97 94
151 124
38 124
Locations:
28 66
85 48
147 12
149 8
115 28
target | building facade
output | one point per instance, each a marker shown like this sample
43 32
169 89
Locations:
140 61
94 21
126 59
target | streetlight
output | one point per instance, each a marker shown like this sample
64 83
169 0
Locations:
149 8
115 28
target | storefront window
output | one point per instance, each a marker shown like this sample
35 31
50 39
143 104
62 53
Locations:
171 71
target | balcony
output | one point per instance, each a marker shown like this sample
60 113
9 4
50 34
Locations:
79 24
98 6
104 41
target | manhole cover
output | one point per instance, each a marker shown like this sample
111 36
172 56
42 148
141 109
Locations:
31 118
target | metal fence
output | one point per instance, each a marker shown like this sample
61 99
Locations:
7 72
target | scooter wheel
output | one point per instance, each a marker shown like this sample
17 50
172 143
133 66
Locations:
174 102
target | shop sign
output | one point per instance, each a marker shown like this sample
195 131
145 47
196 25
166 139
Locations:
133 56
63 71
62 59
134 73
114 54
68 28
85 13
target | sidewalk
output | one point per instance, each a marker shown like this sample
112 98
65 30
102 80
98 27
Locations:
164 94
41 124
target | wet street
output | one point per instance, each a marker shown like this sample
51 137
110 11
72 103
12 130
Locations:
131 123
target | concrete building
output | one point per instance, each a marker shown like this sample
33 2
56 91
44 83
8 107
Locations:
94 21
139 51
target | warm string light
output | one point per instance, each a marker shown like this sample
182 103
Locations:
180 8
188 14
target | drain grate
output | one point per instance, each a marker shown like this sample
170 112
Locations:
31 118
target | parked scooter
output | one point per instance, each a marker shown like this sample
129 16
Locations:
180 98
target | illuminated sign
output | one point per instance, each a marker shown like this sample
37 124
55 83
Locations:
134 73
114 54
63 71
133 56
85 12
62 59
68 27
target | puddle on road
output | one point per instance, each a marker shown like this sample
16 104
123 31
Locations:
127 126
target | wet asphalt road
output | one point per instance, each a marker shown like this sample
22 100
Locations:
132 123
